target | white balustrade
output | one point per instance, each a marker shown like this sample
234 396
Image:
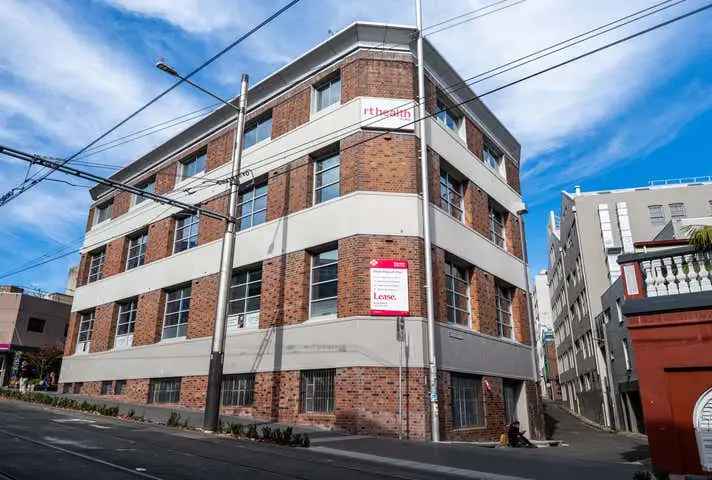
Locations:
677 274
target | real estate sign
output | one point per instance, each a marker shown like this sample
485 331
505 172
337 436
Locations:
389 287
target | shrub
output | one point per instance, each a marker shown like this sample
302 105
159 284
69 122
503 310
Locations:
251 431
173 420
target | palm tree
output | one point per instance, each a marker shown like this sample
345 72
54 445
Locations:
701 237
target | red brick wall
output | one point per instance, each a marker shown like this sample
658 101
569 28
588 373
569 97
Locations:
83 271
115 261
476 204
513 235
149 318
70 344
102 338
475 139
160 239
166 178
193 391
512 172
482 301
289 188
287 279
439 297
122 203
520 316
90 219
291 113
220 150
203 302
136 390
374 77
211 229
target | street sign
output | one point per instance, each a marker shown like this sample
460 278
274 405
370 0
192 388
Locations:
389 287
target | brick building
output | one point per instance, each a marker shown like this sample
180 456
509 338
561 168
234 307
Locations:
332 184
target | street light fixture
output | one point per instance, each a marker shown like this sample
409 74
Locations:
163 66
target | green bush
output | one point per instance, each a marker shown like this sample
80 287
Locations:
59 402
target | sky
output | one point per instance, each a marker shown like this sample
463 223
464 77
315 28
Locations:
637 112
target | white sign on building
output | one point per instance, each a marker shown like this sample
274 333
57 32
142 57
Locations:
389 287
388 113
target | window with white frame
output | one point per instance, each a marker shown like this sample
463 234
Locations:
497 222
324 284
148 186
457 294
125 323
186 236
327 93
86 328
467 401
106 387
492 157
252 206
238 390
257 131
448 116
119 387
503 301
245 294
451 192
164 390
327 174
175 320
136 252
677 211
193 165
96 265
103 212
656 214
316 391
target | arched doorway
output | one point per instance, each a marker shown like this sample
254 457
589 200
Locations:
702 420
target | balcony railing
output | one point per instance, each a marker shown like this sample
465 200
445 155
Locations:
677 274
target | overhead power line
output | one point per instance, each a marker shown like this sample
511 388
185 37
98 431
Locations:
447 27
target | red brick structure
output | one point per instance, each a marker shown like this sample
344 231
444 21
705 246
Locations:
328 191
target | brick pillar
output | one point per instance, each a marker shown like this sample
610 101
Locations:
475 139
434 176
166 178
149 318
193 391
513 235
90 220
211 229
83 271
70 343
203 304
520 316
482 300
160 239
289 188
476 203
277 396
220 150
115 261
136 390
512 172
102 338
285 287
291 113
439 297
121 205
535 408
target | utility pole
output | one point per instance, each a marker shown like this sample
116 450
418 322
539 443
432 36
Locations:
215 373
427 247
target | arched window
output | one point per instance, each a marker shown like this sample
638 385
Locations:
702 420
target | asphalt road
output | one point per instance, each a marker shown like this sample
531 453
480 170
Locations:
37 442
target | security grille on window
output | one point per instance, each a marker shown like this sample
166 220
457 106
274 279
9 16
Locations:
451 194
252 206
677 211
77 388
175 322
186 237
148 187
164 390
125 324
324 283
136 255
447 116
496 226
503 299
96 265
316 391
106 387
258 130
492 157
103 212
327 173
656 214
328 93
86 327
194 165
119 387
245 294
238 390
467 402
457 293
36 325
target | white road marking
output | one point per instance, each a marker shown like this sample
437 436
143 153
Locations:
73 420
339 438
70 443
101 427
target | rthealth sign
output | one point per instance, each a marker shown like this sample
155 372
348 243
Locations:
389 288
387 113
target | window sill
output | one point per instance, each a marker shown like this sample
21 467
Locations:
315 114
252 148
173 340
477 428
184 182
322 318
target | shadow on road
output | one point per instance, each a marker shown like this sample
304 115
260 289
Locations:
550 424
637 453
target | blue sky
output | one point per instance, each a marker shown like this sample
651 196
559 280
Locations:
68 71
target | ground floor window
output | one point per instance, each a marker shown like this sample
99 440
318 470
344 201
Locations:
77 388
119 387
467 401
238 390
106 387
510 394
316 391
164 390
66 387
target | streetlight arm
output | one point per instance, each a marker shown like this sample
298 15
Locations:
163 66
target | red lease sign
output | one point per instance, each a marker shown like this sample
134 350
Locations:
389 287
4 346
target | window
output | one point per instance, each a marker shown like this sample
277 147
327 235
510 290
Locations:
245 293
451 192
467 404
103 212
457 293
447 116
96 265
509 395
316 391
257 130
119 387
238 390
677 211
324 283
327 173
656 214
125 324
328 93
492 156
175 322
86 327
136 255
186 237
496 218
77 388
36 325
164 390
148 187
503 299
106 387
193 165
252 206
66 388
